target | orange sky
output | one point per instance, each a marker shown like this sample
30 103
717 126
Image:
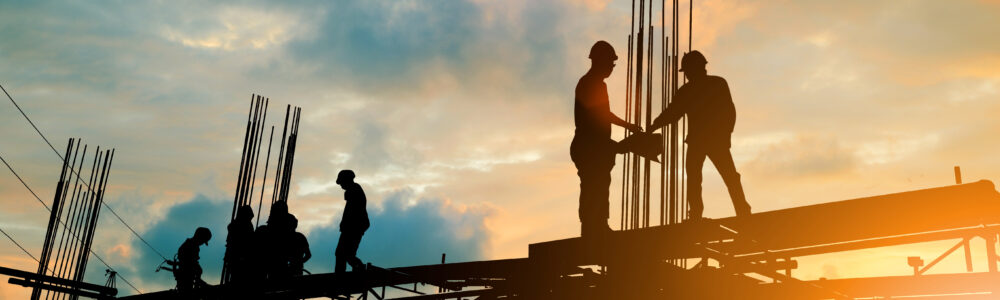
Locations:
467 105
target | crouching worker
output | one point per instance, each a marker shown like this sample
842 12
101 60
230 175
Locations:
188 271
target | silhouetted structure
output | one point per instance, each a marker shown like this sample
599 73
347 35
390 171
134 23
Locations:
247 182
593 151
72 221
742 251
709 106
188 272
353 224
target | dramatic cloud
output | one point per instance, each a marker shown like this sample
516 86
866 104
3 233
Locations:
466 107
425 227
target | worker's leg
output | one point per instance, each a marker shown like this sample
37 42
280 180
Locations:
595 183
341 264
695 161
353 260
723 160
342 253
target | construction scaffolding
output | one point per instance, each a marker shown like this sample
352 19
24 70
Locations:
70 232
740 258
641 184
250 160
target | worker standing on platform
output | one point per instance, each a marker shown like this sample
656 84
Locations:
298 249
706 100
239 243
352 225
188 273
593 151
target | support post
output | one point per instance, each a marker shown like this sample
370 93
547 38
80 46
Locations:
991 251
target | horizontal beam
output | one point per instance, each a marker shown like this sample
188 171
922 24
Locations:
31 276
56 288
927 210
871 243
886 216
456 295
923 285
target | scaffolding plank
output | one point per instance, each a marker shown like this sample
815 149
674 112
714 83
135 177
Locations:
968 284
927 210
920 211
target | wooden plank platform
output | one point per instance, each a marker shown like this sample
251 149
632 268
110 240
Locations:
892 215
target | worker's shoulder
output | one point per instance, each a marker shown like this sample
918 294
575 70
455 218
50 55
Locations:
715 79
588 81
355 189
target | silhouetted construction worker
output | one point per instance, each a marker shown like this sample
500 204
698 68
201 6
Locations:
272 239
188 272
298 249
352 225
238 244
593 151
706 100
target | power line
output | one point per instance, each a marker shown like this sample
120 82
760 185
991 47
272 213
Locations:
61 222
18 244
105 204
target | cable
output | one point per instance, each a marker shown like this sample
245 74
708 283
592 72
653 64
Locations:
18 244
61 222
105 204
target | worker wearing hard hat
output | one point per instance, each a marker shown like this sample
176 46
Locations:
706 100
593 151
188 273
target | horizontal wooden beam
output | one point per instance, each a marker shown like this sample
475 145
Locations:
57 288
31 276
895 286
892 215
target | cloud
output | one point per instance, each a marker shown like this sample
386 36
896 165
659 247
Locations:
232 27
424 227
803 157
178 224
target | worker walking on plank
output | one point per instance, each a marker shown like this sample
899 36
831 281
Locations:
593 151
352 225
706 100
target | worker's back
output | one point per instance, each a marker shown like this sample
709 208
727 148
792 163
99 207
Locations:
355 214
711 112
187 254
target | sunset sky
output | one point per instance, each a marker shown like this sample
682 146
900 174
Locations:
457 115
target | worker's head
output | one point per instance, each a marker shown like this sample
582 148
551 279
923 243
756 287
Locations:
602 59
345 177
293 222
693 65
202 235
244 213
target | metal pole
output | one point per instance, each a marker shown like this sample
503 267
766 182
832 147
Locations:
267 161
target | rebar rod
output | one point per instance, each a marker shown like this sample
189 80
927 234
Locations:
267 162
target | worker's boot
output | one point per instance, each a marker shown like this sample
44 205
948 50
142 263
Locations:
735 188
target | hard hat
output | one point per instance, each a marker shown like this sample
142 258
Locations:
603 51
345 176
203 233
245 211
693 59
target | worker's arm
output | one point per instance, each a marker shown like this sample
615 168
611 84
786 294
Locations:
673 113
308 253
624 124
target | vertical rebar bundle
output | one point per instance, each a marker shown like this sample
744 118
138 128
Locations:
246 178
640 184
73 218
